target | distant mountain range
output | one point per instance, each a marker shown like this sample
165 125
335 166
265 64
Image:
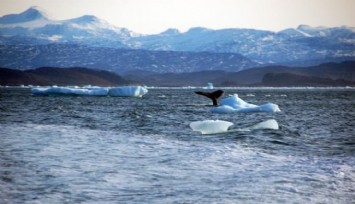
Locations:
330 74
118 60
30 40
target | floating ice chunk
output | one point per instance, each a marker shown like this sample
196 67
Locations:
134 91
210 126
270 124
137 91
236 104
97 91
55 90
220 126
224 109
37 91
209 86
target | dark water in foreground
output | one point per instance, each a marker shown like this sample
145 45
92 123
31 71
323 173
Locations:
142 150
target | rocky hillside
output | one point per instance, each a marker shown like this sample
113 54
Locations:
330 74
60 76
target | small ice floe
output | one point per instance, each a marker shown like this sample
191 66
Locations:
235 104
131 91
210 85
210 126
270 124
206 127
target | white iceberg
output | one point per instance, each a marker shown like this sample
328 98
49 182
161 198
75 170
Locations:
235 104
270 124
74 91
132 91
210 126
209 86
206 127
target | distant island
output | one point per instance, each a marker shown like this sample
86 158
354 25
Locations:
324 75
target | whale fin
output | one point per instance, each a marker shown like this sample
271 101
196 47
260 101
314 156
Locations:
214 96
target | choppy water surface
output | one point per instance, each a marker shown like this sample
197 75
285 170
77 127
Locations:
142 150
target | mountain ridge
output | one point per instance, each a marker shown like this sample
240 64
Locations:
33 13
301 46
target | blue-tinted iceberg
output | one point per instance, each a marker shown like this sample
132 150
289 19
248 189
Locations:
235 104
209 86
93 91
133 91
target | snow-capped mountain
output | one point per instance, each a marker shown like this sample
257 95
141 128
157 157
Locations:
30 15
35 25
304 45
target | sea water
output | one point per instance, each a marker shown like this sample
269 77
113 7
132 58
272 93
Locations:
65 149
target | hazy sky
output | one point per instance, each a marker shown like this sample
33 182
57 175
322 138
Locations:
154 16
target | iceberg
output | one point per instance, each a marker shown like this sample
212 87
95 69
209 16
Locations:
133 91
210 126
235 104
206 127
95 91
209 86
124 91
270 124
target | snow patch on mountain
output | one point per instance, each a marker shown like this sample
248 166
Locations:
55 38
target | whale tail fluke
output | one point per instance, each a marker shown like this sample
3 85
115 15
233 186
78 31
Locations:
214 96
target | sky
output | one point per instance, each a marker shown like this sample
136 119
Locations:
155 16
